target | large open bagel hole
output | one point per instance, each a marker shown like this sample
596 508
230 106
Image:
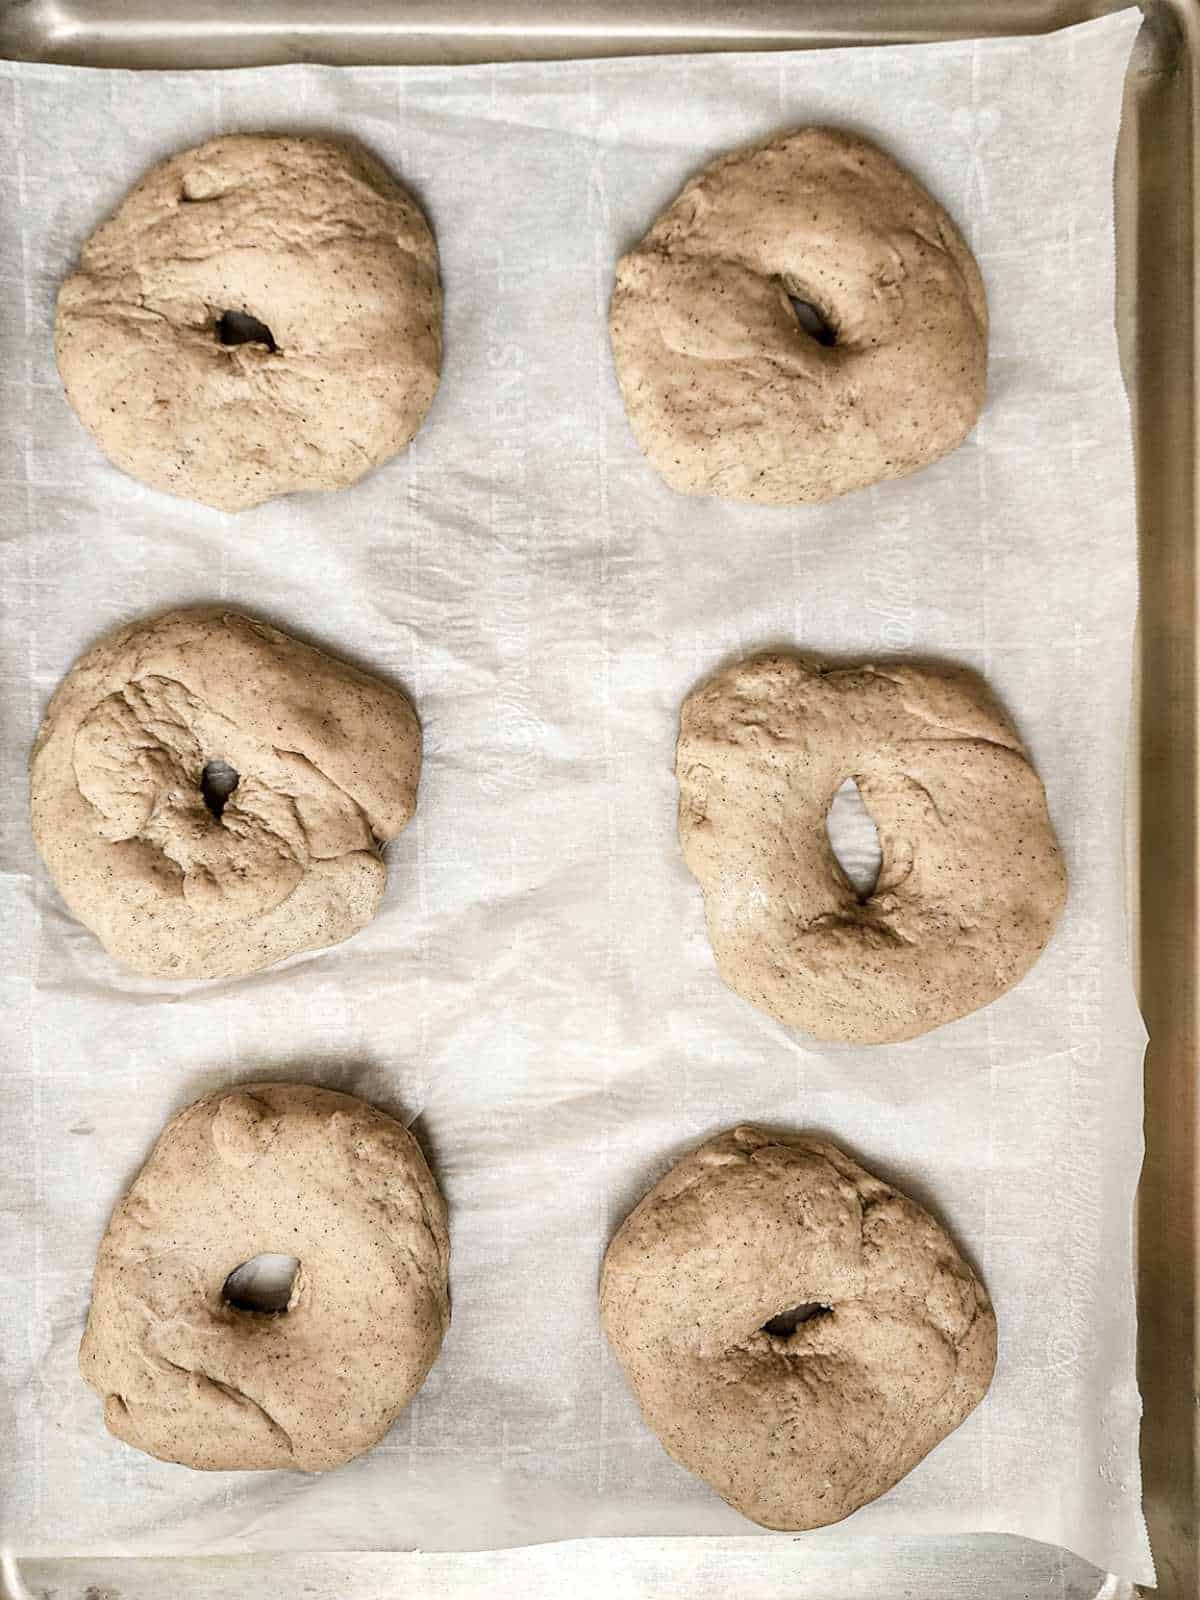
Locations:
813 321
217 783
263 1284
854 839
239 327
786 1323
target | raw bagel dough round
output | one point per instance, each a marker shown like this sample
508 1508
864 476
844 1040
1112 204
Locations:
282 1168
315 242
794 1430
328 761
972 882
726 391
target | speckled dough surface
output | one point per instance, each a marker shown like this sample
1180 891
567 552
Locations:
972 882
312 240
729 395
800 1429
271 1168
328 762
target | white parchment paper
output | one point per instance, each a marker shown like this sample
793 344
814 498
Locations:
537 996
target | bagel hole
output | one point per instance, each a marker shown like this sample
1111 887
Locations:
786 1323
813 320
239 327
854 839
263 1284
217 782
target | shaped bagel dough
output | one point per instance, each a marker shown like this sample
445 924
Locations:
272 1167
972 882
729 394
260 315
327 762
796 1428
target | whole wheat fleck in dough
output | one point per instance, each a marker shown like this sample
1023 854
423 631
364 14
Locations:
327 762
726 391
316 244
284 1169
799 1428
971 884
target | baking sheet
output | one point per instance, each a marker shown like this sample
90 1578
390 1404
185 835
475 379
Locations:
842 1566
538 992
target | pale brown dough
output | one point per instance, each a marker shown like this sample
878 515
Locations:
728 394
271 1168
312 240
328 762
972 882
798 1430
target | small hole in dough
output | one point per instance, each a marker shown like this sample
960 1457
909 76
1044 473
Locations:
854 839
217 783
262 1284
786 1323
239 327
812 321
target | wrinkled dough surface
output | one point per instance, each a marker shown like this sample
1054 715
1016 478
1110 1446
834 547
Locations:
972 881
314 241
328 762
273 1168
727 393
794 1431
